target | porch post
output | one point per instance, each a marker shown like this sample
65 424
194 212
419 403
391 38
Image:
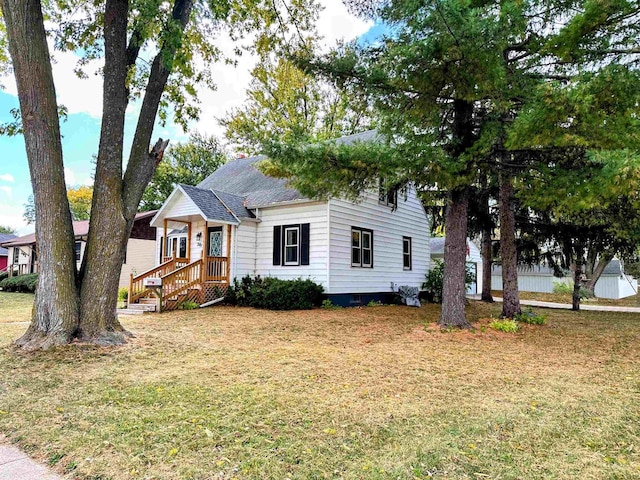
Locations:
164 248
188 242
228 251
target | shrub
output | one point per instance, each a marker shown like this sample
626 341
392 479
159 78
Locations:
20 283
123 294
375 303
3 275
434 281
528 316
188 305
327 305
275 294
562 288
509 326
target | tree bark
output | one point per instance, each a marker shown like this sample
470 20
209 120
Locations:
56 308
455 254
508 253
82 305
604 260
577 275
486 251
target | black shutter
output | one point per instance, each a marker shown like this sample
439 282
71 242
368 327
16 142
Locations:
304 244
277 245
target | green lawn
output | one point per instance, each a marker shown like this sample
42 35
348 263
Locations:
371 393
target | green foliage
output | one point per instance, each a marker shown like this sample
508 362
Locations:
506 325
375 303
123 294
3 275
7 229
188 305
562 288
275 294
434 281
187 163
79 203
530 317
327 305
21 283
287 104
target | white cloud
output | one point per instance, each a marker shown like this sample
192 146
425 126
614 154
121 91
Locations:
7 190
74 179
7 177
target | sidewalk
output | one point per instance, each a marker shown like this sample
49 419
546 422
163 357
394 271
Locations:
566 306
15 465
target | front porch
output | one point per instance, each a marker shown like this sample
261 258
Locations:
195 256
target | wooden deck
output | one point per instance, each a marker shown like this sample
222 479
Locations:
200 281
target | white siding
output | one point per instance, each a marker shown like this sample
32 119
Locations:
316 215
244 250
180 206
475 257
409 220
616 286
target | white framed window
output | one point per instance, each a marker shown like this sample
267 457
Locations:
179 244
16 255
78 248
406 253
387 196
361 247
292 245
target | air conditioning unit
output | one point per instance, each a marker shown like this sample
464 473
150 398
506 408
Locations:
152 282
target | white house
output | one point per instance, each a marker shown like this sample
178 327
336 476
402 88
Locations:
473 260
240 222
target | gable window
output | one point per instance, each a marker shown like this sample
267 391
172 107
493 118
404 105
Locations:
78 251
361 247
16 255
291 244
406 253
387 196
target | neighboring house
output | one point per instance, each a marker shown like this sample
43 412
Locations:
240 222
474 261
4 253
613 283
23 254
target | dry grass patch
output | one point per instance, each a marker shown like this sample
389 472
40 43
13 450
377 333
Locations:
15 307
365 393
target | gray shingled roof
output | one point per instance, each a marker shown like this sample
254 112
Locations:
5 237
240 177
235 203
209 204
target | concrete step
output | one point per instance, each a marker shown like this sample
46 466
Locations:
142 307
147 301
128 311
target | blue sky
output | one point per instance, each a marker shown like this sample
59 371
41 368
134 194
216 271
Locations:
83 98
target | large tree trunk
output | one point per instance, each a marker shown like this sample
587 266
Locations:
455 255
55 317
486 251
508 253
604 260
70 305
577 275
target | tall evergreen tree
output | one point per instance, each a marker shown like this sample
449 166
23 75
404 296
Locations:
450 82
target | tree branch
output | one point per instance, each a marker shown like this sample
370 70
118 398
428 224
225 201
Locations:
142 163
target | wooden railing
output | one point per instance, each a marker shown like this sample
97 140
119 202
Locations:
216 269
182 260
137 289
179 281
16 269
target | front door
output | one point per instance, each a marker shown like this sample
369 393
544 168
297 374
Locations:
215 241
